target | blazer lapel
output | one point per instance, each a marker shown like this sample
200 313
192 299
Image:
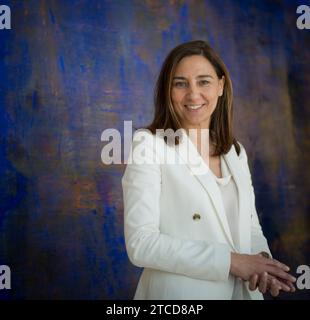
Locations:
199 169
244 204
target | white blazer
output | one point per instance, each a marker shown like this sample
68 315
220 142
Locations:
175 223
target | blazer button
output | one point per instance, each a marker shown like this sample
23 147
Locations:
196 216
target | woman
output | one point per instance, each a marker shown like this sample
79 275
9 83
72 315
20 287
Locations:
190 217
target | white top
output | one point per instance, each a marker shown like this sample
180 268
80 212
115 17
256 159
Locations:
229 194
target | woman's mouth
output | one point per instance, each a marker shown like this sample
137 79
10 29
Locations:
194 107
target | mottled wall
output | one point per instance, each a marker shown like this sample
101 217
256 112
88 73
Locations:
70 69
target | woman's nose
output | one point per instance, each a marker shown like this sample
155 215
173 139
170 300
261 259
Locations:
193 91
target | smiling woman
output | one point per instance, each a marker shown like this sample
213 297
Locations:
195 91
193 77
197 235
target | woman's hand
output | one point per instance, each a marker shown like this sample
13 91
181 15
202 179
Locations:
266 282
246 265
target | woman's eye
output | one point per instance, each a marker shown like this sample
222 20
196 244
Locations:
180 84
204 82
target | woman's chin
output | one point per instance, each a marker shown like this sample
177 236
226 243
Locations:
197 123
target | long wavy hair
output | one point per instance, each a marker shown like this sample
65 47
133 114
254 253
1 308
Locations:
221 131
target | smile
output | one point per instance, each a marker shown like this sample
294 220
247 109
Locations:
194 106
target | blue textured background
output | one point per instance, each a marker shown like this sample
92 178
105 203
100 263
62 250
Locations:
70 69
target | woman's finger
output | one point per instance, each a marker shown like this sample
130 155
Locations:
281 284
274 288
253 282
290 285
263 282
278 264
278 273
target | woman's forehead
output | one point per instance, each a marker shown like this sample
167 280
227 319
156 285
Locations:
194 66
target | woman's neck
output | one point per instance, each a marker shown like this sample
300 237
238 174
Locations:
202 140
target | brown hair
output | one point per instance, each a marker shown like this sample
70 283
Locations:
221 133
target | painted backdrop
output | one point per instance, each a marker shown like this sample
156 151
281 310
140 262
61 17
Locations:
70 69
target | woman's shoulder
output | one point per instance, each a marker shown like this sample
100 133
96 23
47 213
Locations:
242 153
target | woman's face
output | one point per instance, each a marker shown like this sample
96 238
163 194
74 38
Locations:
195 91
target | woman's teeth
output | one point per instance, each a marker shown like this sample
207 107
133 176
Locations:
194 107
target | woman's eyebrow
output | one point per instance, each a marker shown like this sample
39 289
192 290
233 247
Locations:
179 78
205 76
198 77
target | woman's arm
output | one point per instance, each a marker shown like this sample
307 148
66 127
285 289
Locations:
146 245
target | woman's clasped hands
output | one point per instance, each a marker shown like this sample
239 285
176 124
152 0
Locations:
266 274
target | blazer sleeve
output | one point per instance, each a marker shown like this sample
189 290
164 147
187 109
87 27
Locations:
146 245
258 240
